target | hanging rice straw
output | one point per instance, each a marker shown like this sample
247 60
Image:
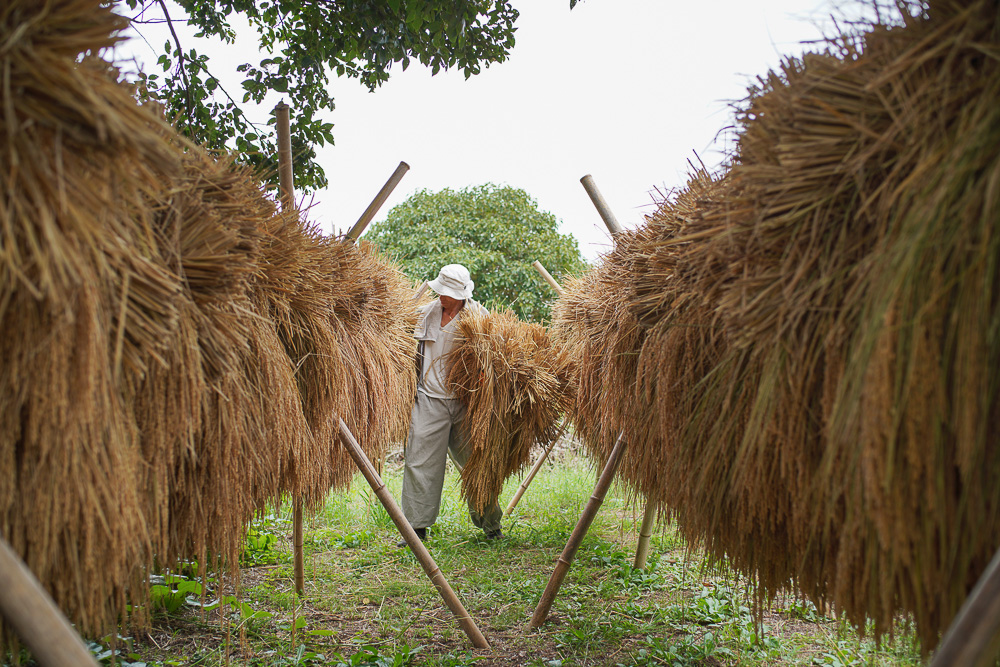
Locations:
515 384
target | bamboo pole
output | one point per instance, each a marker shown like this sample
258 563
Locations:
285 177
645 532
376 204
406 530
602 206
548 277
973 638
541 459
587 518
421 291
527 480
286 182
35 617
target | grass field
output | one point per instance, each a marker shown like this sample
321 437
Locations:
368 602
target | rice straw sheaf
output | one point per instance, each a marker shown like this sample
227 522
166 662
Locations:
86 303
839 434
516 385
212 442
592 322
342 315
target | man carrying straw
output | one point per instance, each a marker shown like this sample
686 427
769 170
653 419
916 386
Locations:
437 421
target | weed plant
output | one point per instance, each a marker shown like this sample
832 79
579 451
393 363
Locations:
369 603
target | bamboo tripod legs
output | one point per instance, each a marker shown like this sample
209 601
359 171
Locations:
527 480
645 532
973 638
35 617
587 518
419 550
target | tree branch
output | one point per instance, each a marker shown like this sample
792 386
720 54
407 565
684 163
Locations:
180 59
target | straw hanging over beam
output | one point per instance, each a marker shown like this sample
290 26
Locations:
406 530
288 202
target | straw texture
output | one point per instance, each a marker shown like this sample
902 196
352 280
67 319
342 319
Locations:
516 384
814 332
175 351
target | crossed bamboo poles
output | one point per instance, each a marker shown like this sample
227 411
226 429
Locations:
970 639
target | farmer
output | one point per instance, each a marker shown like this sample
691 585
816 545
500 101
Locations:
437 421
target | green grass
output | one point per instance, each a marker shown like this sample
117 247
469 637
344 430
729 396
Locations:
368 602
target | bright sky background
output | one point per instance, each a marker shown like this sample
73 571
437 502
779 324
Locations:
625 90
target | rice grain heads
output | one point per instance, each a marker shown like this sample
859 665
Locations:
85 303
174 350
516 385
817 328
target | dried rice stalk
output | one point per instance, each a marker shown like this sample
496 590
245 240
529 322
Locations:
818 329
515 384
86 302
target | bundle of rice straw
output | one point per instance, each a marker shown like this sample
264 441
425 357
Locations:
516 385
162 378
819 328
205 409
343 315
86 303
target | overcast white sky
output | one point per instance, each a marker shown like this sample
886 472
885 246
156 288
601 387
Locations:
625 90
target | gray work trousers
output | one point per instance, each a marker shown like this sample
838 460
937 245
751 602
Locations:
436 425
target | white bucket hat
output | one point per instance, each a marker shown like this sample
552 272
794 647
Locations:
454 281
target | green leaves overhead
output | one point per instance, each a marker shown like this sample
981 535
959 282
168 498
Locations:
312 39
495 231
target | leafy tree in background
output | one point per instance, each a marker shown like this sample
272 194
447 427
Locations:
311 39
497 232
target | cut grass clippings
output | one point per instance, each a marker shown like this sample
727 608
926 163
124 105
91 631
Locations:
368 602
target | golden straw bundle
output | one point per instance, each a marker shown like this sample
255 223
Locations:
162 377
86 302
342 315
516 385
818 328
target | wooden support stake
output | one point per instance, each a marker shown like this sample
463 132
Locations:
298 547
548 277
406 530
602 206
286 180
973 638
645 532
285 177
34 616
376 204
527 480
582 526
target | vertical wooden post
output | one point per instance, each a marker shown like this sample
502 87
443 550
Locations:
645 532
547 276
34 616
376 204
286 181
602 206
973 638
642 549
406 530
285 177
582 526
